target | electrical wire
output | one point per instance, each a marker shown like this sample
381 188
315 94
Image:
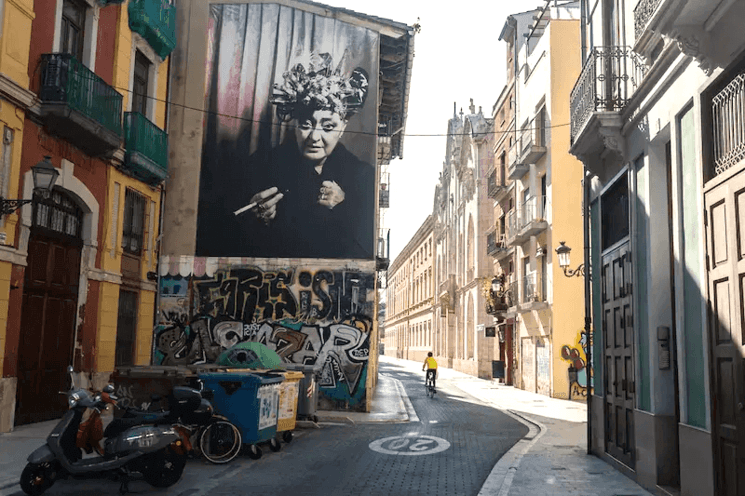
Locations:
416 135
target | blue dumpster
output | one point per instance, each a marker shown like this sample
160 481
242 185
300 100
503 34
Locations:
251 402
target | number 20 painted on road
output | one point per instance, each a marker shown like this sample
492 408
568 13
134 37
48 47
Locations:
409 445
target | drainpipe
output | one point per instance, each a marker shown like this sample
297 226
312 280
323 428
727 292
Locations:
583 29
588 302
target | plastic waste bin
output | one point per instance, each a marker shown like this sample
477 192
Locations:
308 391
288 399
250 400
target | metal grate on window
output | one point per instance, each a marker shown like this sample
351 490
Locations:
134 222
58 214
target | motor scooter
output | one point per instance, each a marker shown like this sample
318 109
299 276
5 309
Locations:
153 453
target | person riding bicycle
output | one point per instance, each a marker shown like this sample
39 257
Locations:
431 365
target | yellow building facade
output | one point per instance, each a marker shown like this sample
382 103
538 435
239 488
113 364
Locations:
78 265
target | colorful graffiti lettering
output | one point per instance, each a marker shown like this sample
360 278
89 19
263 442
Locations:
318 318
576 355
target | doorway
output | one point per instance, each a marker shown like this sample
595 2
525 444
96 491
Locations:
49 308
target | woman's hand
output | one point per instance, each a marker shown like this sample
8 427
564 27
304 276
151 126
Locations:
330 195
266 204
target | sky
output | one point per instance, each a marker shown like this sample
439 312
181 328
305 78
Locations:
458 56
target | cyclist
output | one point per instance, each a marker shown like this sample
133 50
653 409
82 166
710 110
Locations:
431 365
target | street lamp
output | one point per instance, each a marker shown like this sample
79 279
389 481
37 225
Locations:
563 253
498 287
45 175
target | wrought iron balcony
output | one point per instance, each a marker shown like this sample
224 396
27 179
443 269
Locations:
643 13
728 124
515 168
147 148
79 106
532 142
154 20
532 297
605 86
494 242
494 185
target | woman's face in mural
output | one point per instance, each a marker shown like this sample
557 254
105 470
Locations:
317 133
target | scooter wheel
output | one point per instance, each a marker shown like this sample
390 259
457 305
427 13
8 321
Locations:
274 444
287 436
35 479
253 452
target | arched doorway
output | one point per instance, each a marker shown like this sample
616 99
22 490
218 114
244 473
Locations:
50 296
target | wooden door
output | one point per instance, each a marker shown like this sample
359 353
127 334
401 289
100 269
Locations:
725 237
50 296
618 338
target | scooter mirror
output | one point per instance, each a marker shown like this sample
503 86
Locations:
72 379
108 389
70 370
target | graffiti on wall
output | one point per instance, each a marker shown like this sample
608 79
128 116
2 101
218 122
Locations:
310 317
576 356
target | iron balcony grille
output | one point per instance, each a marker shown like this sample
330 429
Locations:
643 12
65 80
728 119
493 185
531 292
607 82
491 242
154 20
144 137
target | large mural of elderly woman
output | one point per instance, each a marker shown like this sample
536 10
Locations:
289 149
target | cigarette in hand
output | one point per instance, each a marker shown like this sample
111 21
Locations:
247 207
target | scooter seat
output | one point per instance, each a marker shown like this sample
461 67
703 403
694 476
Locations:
134 418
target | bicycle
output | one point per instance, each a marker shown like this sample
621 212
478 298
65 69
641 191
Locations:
430 385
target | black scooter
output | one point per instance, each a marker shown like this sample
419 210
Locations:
152 453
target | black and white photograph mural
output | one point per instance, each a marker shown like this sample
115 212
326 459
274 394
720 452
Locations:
289 148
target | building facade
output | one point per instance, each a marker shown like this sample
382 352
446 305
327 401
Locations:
272 213
533 173
86 83
410 300
657 119
462 267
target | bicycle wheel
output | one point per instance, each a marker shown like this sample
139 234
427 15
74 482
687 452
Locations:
220 442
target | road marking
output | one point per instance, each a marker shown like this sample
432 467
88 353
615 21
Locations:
410 445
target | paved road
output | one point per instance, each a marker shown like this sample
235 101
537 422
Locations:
338 459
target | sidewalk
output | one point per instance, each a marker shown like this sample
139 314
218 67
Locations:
552 459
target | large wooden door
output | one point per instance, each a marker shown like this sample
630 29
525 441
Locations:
618 338
49 307
725 237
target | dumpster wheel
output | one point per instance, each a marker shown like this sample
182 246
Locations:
274 444
287 436
253 451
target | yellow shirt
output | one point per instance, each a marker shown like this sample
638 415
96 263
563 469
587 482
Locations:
431 363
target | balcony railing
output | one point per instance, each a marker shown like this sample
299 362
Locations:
532 210
154 20
531 292
493 184
728 119
147 148
643 12
65 80
607 82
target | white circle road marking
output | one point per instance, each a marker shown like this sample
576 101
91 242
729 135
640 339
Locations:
410 444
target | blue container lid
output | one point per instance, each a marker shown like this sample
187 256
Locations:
249 378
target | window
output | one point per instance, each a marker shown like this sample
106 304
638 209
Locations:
140 83
134 221
614 208
73 28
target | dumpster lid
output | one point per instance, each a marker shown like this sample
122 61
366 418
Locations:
154 371
264 378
